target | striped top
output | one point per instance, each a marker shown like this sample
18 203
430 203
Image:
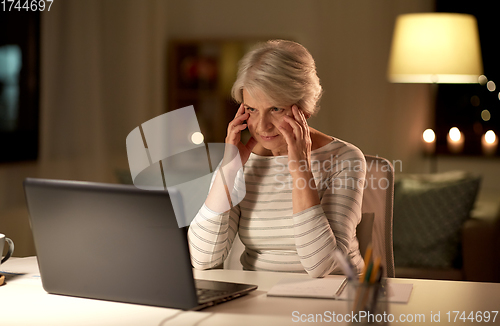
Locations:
275 239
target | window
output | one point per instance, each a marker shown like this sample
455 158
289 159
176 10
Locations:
472 108
19 85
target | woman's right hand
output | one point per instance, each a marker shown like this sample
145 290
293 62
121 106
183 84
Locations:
219 198
234 129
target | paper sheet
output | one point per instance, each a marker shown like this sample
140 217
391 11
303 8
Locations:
326 288
398 292
307 288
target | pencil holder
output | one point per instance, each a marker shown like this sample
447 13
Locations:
367 303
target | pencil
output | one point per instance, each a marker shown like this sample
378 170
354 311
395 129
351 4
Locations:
363 290
368 257
376 290
374 274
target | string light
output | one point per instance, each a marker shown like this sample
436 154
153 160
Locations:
491 86
486 115
482 80
475 100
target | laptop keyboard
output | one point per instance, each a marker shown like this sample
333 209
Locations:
208 294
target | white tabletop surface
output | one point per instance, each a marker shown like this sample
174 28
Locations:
24 302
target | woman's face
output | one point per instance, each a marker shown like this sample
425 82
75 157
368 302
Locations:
264 121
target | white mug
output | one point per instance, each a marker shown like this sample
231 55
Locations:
3 239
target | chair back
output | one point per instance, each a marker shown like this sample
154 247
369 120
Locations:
377 209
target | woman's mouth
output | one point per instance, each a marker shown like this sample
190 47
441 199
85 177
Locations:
268 138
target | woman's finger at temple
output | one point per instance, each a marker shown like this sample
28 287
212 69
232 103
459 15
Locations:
235 129
299 116
303 121
302 117
240 111
237 121
296 127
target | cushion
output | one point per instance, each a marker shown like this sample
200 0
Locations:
429 211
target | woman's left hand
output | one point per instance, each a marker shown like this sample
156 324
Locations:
295 130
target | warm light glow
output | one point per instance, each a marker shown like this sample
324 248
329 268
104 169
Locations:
197 138
490 137
429 136
491 86
486 115
455 134
482 80
435 48
489 143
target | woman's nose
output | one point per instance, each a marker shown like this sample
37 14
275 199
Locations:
265 122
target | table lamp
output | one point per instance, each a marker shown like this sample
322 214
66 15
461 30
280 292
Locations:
435 48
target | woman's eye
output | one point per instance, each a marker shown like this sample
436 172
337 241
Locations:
250 110
276 109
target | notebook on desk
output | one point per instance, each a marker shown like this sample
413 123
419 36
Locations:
117 243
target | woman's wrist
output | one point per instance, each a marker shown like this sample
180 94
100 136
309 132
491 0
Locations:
302 178
304 192
298 166
230 169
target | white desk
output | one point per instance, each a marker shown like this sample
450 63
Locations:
24 302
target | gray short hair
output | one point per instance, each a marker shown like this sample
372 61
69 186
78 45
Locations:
284 71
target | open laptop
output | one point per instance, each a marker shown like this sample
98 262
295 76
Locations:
117 243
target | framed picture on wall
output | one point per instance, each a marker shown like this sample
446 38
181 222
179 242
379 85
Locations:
201 73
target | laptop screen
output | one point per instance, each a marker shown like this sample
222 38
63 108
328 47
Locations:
111 242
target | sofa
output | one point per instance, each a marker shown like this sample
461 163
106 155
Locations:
445 228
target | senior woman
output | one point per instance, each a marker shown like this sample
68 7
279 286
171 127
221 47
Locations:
303 187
